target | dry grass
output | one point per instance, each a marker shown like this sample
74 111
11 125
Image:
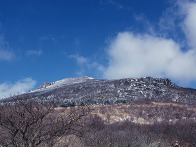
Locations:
143 113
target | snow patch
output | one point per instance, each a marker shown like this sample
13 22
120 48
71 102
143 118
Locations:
63 82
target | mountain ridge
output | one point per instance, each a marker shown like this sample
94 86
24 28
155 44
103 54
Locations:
88 91
59 83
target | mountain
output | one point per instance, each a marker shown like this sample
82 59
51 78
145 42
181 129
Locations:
143 111
89 91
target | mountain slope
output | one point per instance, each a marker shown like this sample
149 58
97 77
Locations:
88 91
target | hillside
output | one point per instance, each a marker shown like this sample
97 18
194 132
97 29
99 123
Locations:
89 91
143 112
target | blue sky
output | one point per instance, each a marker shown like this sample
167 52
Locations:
48 40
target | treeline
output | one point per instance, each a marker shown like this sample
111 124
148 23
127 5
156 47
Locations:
128 134
87 102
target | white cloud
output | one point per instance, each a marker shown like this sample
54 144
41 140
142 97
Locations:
19 87
133 55
138 55
34 53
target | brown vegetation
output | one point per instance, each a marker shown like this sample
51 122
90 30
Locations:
32 124
128 134
145 113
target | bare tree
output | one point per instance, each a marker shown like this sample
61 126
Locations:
31 124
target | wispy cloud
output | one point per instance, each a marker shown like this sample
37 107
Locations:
80 60
47 38
189 23
5 53
151 54
113 3
86 65
145 24
19 87
34 53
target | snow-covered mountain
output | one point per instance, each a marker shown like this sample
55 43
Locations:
88 91
61 83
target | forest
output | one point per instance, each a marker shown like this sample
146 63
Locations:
33 124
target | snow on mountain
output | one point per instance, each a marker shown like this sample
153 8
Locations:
63 82
89 91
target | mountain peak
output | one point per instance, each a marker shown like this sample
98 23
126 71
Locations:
60 83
